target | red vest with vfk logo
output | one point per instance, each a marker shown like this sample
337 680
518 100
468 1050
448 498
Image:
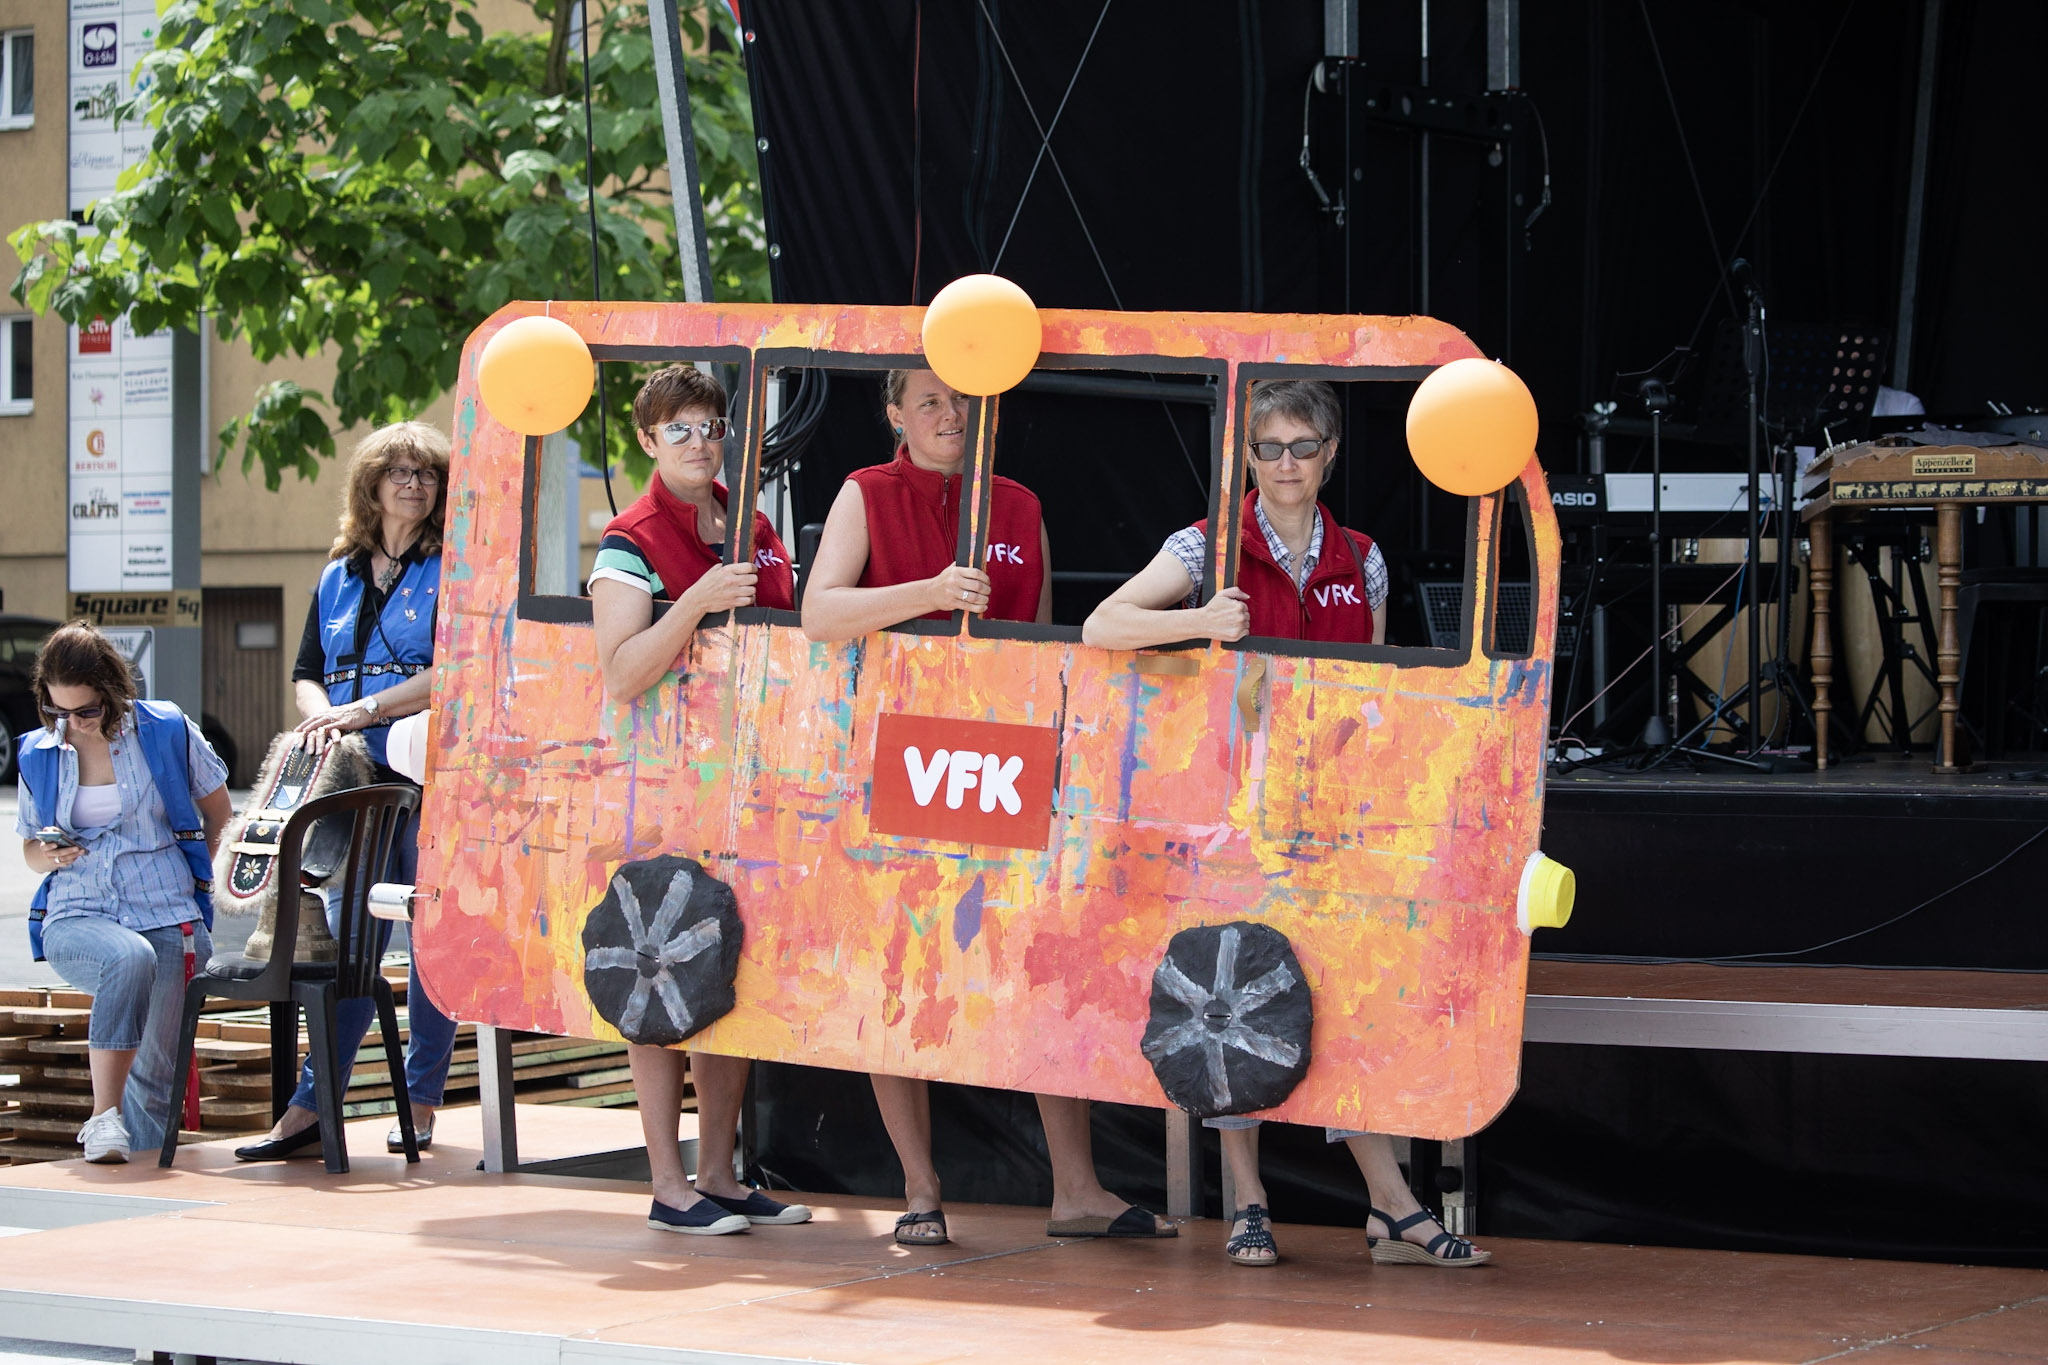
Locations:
1331 607
914 529
665 529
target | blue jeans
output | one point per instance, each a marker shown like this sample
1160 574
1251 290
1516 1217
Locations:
432 1032
137 984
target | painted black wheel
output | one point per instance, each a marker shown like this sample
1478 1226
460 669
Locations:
661 949
1231 1019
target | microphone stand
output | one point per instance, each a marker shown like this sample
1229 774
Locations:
1654 747
1752 368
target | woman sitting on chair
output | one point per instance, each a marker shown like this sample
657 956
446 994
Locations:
1290 546
363 662
121 805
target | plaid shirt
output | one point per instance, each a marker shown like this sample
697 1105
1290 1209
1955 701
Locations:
1190 546
132 871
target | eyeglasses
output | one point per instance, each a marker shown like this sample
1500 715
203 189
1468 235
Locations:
1304 449
405 476
678 433
74 712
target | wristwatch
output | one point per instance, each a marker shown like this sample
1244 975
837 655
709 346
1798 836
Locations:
368 704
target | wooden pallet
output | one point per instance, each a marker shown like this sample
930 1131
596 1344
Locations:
46 1087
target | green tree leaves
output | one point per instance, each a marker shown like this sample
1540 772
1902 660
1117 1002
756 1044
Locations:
377 177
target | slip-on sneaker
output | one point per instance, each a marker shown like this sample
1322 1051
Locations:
702 1219
759 1208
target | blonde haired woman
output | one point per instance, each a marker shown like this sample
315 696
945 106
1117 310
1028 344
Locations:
363 662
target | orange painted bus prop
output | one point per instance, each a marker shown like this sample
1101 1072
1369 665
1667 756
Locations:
1380 807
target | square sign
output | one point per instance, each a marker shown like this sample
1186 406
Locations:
964 781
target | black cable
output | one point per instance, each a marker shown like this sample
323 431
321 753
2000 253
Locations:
604 444
1684 146
1881 924
1542 204
1763 190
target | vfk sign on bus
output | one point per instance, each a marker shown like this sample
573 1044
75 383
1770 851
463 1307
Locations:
964 781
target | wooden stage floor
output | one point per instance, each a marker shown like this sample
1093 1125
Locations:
282 1262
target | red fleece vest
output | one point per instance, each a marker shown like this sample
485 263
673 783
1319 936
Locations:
1331 607
665 529
914 528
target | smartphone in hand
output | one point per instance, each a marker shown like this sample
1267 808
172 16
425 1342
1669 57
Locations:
56 838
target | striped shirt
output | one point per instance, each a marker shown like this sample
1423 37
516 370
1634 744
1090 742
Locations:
133 871
620 560
1190 545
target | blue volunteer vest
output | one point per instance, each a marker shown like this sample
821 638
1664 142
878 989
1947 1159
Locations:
161 728
401 640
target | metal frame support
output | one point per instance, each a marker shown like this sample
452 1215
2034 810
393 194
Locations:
1340 28
1183 1163
1454 1176
1503 44
1916 196
683 178
494 1083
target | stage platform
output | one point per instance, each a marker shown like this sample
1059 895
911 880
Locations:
443 1263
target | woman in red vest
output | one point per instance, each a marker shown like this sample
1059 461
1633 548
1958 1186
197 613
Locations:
668 547
1300 576
886 557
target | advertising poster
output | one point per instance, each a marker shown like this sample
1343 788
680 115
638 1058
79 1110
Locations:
120 383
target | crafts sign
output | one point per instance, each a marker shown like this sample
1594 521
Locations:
964 781
961 849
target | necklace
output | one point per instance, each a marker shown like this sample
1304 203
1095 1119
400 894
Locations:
393 567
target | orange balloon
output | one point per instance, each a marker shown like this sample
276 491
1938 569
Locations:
982 334
535 375
1472 427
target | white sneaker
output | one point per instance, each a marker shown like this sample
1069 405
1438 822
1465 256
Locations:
105 1138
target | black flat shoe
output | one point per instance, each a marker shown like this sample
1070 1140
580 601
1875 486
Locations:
278 1149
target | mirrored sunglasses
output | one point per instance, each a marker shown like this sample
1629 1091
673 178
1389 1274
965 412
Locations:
677 433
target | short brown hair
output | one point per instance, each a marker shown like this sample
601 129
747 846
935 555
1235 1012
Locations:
667 392
362 520
77 655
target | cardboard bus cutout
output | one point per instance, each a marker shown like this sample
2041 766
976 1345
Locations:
961 850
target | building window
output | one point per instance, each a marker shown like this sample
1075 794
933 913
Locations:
17 366
17 79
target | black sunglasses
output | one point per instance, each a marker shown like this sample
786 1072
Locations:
1304 449
74 713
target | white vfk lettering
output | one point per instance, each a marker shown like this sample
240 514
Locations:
960 775
999 783
1340 592
924 781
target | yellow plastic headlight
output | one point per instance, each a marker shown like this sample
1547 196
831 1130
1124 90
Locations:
1547 892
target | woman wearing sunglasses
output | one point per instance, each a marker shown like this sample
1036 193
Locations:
121 806
886 557
1300 576
668 549
364 661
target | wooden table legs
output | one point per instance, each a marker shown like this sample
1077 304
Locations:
1948 559
1821 576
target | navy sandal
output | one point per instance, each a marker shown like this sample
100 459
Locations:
904 1236
1257 1236
1446 1250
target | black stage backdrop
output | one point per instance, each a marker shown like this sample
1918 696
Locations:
900 139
